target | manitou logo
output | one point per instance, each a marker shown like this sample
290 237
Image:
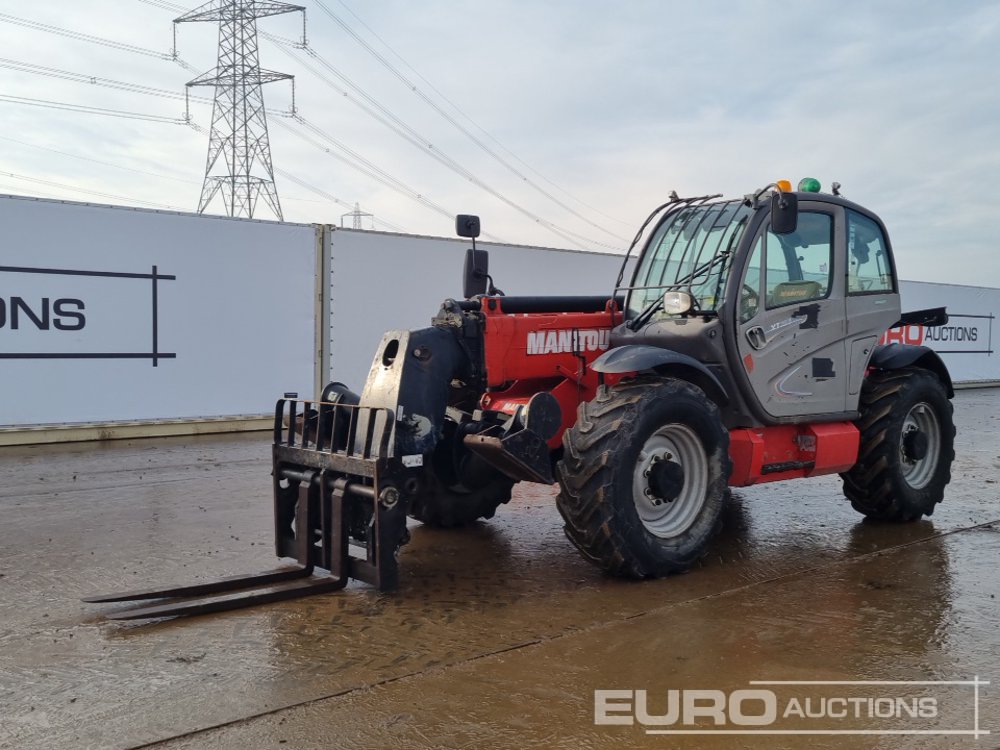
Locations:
574 341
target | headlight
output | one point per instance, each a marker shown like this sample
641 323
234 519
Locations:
677 303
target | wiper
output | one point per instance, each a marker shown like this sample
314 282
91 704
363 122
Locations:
643 317
653 307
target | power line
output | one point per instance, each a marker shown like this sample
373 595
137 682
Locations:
397 125
122 85
99 161
468 119
68 75
356 217
163 5
364 166
84 109
394 123
319 191
135 88
174 178
35 192
332 198
76 188
367 168
80 36
360 164
566 234
448 117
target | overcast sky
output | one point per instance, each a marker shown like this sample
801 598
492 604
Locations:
600 107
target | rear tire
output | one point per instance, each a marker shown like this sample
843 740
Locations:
643 477
448 507
458 488
907 446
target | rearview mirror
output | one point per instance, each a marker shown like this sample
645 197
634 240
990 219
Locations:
784 212
467 225
476 272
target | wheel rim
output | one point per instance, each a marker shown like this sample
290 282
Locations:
669 498
918 466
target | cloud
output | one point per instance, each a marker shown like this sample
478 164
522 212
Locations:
615 105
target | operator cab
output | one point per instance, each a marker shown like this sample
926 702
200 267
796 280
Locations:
780 297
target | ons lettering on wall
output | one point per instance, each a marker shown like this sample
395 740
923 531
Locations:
63 314
113 315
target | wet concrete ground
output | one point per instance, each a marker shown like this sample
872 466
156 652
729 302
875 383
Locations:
500 633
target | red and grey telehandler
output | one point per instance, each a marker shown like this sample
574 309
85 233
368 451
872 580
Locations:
742 349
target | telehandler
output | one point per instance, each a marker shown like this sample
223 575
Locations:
743 350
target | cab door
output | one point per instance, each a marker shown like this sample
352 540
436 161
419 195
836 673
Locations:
872 294
791 323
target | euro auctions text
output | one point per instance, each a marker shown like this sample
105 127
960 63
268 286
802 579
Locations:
748 708
811 707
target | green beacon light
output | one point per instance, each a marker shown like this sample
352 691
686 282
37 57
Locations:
809 185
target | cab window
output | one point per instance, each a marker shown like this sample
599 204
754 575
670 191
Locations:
798 267
750 291
868 267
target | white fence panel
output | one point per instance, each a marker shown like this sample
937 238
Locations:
112 314
966 343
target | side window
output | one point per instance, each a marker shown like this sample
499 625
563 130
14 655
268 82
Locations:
750 291
799 266
868 267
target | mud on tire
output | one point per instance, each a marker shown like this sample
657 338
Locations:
907 446
615 467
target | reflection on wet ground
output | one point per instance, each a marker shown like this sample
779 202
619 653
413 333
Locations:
500 633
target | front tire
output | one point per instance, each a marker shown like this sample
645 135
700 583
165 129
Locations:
643 478
907 446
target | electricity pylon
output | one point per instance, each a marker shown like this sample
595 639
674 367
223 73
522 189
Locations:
356 216
239 152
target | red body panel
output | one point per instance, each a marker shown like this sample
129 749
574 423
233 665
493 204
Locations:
529 353
542 345
769 454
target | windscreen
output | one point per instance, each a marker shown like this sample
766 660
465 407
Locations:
692 251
